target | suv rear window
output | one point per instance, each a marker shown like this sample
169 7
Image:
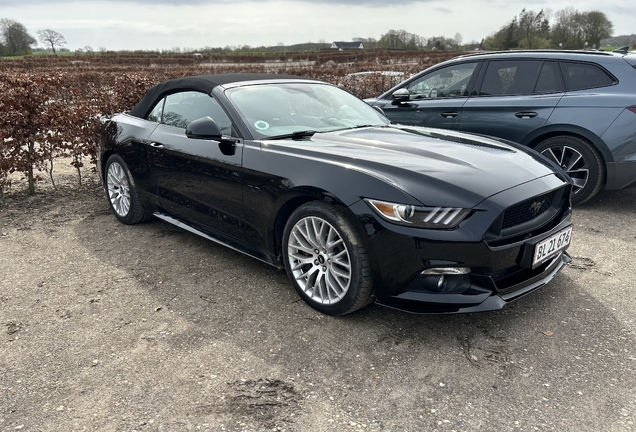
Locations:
630 58
521 77
550 80
581 76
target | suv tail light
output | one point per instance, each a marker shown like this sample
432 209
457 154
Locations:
632 109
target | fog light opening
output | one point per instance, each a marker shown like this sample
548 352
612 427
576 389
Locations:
444 284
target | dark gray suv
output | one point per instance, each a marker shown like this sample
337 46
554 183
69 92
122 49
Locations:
578 108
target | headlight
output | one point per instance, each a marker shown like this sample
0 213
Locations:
416 216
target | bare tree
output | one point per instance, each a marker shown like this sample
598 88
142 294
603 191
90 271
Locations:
458 40
51 38
573 28
401 39
530 24
566 31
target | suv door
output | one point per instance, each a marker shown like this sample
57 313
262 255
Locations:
513 98
435 98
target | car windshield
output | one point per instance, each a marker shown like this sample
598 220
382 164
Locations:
281 109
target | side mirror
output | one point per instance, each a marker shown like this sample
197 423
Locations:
400 96
203 128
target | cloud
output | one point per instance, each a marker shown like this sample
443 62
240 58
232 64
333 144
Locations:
372 3
164 24
444 10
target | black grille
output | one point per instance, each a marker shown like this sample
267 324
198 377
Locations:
527 210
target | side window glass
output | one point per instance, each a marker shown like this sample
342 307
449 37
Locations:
581 76
176 113
510 78
157 111
549 79
448 82
185 107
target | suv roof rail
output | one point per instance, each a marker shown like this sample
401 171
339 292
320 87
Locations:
622 50
539 51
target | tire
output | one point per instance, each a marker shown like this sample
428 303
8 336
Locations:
580 160
122 195
326 260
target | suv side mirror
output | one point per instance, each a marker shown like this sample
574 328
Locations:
203 128
400 96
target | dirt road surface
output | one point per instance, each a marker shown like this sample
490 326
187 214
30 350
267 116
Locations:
106 327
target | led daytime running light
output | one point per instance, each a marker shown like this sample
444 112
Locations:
424 217
446 271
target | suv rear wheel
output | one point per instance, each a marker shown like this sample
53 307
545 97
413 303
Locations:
580 160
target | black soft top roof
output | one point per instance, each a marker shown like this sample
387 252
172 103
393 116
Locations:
202 83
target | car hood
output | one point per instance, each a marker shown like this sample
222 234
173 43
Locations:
429 164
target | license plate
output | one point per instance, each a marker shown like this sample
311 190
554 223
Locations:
549 247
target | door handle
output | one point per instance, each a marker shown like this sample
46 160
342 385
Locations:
156 145
526 114
449 114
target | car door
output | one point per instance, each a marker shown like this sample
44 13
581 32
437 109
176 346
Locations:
198 180
513 98
435 98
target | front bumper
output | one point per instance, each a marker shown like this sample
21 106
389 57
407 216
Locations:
478 298
496 257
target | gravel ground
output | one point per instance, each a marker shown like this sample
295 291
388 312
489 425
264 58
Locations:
107 327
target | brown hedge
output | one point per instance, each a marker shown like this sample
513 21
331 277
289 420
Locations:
50 106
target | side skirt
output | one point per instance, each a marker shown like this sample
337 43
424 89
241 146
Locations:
193 230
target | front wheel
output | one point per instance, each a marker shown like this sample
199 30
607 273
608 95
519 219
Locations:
325 259
580 160
122 195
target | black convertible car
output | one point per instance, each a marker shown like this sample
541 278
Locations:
302 175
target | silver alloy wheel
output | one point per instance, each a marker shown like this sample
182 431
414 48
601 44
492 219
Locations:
319 260
118 189
572 161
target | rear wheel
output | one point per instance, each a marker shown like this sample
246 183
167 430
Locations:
580 160
122 194
325 259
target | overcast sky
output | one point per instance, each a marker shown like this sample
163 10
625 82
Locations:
165 24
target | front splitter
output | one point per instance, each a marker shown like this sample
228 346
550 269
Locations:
478 299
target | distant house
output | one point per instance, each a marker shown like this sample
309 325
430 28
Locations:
197 55
340 46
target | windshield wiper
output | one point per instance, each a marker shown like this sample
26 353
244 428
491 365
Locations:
359 127
294 135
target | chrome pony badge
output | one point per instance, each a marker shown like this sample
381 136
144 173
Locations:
535 207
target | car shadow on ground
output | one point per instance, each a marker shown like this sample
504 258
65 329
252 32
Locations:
548 343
